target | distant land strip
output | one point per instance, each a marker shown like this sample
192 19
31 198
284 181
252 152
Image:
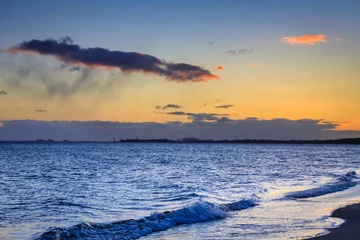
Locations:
355 141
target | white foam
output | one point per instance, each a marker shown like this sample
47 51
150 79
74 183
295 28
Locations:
343 182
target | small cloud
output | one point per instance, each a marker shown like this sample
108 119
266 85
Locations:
225 106
210 43
170 105
2 92
252 65
338 39
175 106
305 40
220 68
241 51
41 110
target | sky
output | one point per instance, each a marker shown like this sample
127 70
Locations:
280 69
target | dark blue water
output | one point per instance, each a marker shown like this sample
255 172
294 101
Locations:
172 191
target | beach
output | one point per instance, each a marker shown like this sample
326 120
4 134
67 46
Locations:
350 229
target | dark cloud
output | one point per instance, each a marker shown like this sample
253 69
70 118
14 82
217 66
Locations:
41 110
170 105
241 51
2 92
223 128
210 43
225 106
128 62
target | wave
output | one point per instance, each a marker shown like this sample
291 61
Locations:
343 182
133 229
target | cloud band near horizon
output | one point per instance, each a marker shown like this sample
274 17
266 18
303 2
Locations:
128 62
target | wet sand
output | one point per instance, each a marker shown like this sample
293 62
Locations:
350 229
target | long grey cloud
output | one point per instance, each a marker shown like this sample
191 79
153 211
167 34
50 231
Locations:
201 117
128 62
249 128
2 92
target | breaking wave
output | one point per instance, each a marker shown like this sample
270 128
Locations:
342 183
133 229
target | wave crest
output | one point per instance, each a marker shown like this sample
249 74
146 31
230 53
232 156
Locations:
133 229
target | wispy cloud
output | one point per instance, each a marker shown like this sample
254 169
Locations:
338 39
240 51
220 68
2 92
306 40
127 62
170 105
225 106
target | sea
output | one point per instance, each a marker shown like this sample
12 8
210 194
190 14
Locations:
173 191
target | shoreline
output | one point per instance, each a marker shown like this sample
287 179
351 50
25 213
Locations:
350 229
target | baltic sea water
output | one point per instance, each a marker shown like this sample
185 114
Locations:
173 190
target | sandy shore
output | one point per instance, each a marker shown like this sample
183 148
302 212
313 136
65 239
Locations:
350 229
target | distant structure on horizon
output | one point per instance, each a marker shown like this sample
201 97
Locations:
355 141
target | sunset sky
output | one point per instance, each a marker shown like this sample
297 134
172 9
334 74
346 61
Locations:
205 64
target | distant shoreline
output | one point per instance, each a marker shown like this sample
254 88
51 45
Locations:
352 141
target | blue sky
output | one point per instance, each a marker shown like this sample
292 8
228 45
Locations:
131 23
